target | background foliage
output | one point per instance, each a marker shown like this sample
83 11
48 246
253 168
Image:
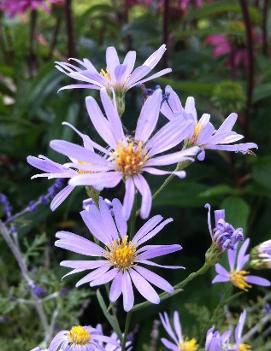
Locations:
31 113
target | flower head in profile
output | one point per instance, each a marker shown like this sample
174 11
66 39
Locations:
80 338
116 343
227 341
118 76
261 255
237 275
223 235
203 133
125 157
216 341
177 341
239 345
120 259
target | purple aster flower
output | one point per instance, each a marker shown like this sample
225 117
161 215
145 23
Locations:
120 259
177 341
261 255
237 275
216 341
118 76
116 341
125 157
53 169
79 338
239 345
203 133
224 235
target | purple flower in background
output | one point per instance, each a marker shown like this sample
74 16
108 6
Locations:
120 258
79 338
125 158
261 255
224 235
118 76
216 341
116 341
16 7
177 341
237 275
239 345
203 133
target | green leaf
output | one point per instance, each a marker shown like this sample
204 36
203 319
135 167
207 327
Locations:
205 89
261 172
111 320
218 190
237 211
222 7
181 194
262 92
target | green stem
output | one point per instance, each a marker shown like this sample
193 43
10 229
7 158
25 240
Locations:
177 288
126 330
112 319
180 166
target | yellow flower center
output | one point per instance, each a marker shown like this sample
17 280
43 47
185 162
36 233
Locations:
189 345
130 157
79 335
121 253
196 133
238 279
244 347
105 74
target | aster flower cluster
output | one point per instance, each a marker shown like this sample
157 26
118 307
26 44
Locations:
114 253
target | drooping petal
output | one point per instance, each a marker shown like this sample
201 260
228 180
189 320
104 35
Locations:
128 198
144 288
127 292
155 279
116 287
60 197
169 345
98 272
101 179
105 277
145 191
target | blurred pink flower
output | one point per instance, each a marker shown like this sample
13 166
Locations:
16 7
236 52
